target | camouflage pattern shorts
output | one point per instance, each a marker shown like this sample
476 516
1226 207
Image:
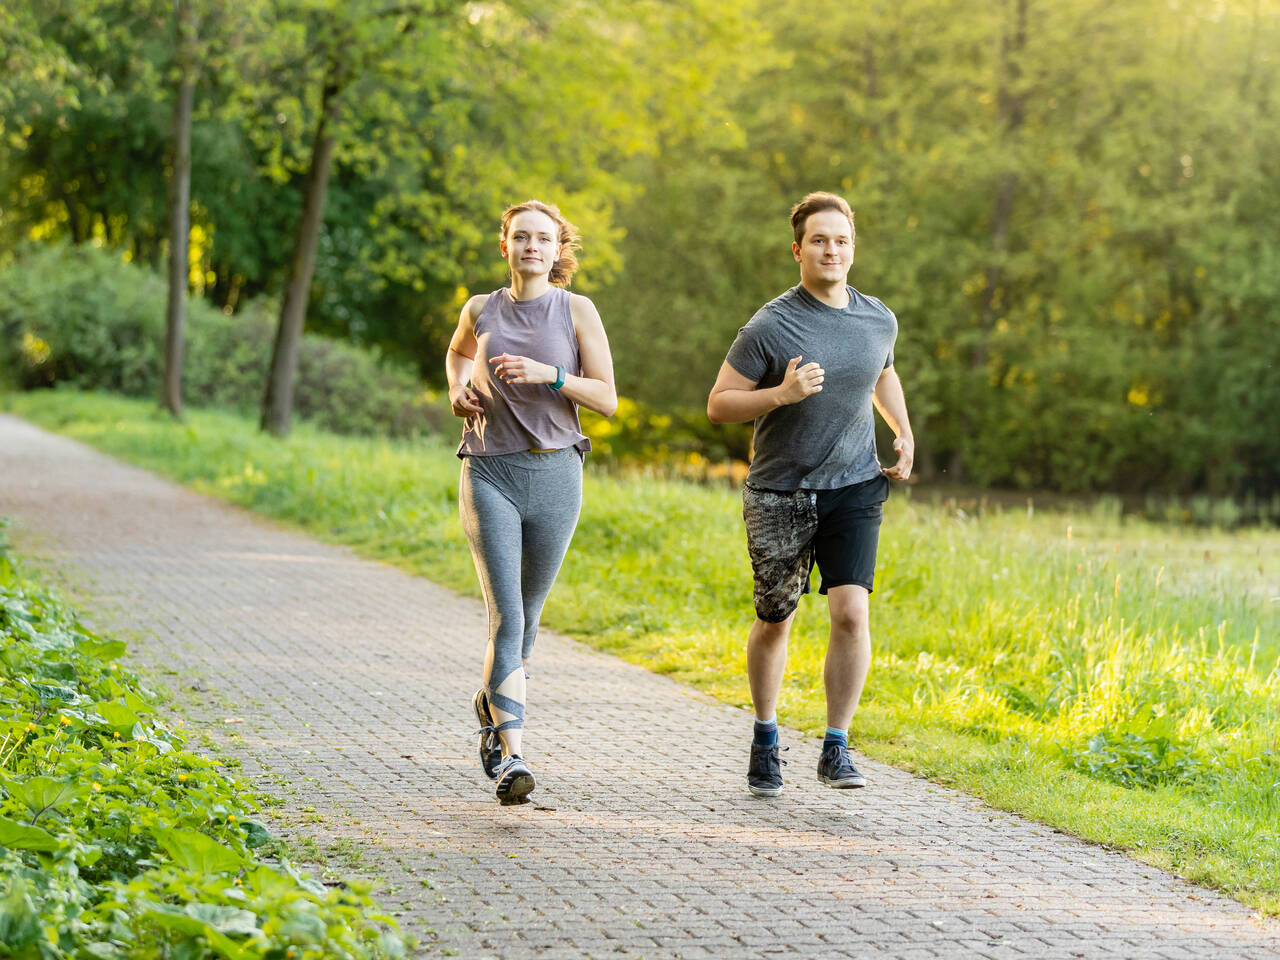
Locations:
780 531
789 531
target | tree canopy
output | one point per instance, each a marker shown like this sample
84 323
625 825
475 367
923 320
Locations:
1070 206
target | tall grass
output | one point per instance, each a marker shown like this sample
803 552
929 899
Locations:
1117 679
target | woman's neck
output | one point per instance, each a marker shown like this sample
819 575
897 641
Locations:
528 288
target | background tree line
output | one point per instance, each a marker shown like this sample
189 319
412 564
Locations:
1071 207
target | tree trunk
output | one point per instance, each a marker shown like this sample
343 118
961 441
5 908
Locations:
277 404
179 216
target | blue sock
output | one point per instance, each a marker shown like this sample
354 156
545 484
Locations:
835 735
766 732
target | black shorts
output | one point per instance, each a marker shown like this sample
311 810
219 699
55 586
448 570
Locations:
788 532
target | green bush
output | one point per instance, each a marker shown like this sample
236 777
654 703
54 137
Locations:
115 841
79 315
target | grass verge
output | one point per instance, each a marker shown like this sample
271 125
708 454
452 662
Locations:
116 841
1118 680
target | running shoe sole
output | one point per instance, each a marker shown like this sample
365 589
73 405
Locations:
490 750
848 783
514 788
765 791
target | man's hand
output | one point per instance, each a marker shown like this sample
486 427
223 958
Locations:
512 369
905 448
800 382
464 401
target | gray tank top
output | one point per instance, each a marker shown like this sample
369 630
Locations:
523 416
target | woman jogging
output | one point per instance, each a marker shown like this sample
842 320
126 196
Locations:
521 361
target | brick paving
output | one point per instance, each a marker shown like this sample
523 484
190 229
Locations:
349 683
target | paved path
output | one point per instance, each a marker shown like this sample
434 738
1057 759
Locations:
352 682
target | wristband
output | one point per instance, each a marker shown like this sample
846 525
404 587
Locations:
559 379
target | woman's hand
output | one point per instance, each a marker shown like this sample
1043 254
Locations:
512 369
464 401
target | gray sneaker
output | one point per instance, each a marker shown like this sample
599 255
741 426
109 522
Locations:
490 746
764 773
835 769
515 781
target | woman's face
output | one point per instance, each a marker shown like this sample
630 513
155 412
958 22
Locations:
530 245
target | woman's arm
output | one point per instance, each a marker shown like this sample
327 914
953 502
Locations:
460 360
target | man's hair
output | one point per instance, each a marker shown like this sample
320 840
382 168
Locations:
567 236
816 203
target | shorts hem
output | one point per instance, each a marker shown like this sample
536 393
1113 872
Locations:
764 619
846 583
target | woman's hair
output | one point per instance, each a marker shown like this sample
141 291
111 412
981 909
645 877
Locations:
815 203
566 266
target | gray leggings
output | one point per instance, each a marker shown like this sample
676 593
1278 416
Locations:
519 511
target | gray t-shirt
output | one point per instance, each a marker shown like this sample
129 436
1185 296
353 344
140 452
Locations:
828 439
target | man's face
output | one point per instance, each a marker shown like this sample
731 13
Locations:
826 252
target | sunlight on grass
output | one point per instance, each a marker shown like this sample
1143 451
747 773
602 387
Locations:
1117 679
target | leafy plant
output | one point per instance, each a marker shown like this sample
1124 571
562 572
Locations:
118 842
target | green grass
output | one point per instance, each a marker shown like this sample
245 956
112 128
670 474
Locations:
1118 680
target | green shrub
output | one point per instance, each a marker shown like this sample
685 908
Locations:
115 841
79 315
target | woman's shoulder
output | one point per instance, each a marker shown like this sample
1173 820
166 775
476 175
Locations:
581 309
477 303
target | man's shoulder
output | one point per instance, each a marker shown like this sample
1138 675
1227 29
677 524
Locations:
773 311
873 303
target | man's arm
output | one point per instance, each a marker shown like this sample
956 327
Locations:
735 399
892 405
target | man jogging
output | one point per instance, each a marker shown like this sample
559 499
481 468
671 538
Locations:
806 369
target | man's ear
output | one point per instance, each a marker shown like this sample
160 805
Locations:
795 250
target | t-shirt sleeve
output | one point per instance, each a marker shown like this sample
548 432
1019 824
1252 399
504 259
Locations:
749 354
893 339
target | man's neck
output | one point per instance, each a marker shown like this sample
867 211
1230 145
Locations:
832 294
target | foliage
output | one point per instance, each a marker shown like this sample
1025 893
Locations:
451 112
640 437
1120 679
116 840
1069 212
1069 205
79 315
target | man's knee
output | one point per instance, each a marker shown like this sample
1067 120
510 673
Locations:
850 611
770 632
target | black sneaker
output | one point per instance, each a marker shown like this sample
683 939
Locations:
515 781
835 769
490 747
764 775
